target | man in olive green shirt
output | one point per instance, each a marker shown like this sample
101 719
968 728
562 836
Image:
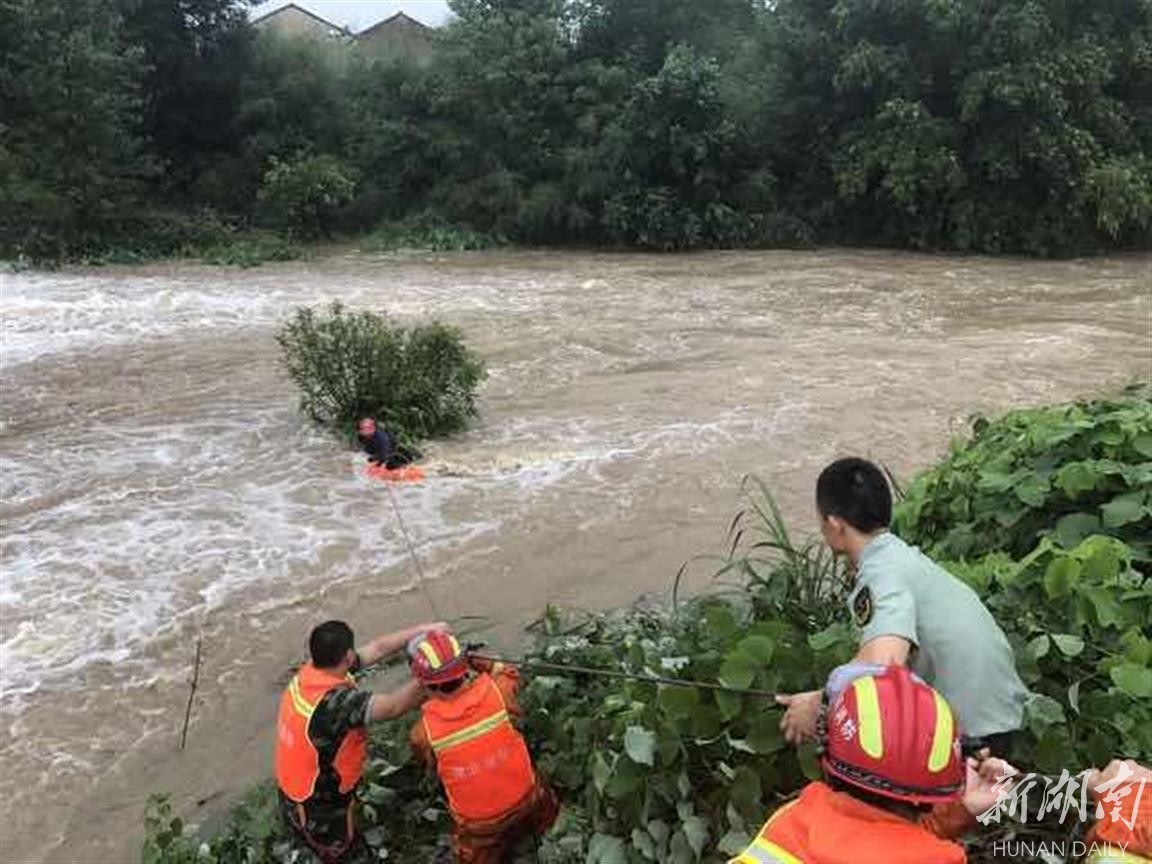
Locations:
909 610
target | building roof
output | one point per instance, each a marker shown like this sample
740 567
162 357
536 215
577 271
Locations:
311 15
398 18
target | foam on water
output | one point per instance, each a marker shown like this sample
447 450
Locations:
50 313
137 530
627 396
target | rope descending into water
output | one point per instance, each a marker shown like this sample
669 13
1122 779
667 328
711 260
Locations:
420 579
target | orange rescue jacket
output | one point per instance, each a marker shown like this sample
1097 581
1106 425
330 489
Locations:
823 826
482 760
297 759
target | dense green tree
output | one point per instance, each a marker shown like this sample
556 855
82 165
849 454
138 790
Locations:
196 53
71 149
642 32
1021 126
676 161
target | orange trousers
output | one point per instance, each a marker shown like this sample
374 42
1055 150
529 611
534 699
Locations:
493 841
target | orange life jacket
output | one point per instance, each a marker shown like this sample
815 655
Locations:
297 759
823 826
481 758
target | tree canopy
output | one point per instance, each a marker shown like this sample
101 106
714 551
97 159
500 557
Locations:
1022 127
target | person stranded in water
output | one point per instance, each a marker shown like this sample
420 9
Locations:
322 739
381 446
467 734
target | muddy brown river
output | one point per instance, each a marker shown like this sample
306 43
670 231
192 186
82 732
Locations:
157 484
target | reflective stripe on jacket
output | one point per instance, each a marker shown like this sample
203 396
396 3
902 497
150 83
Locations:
481 758
297 759
823 826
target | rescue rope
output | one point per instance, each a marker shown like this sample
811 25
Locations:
631 676
420 579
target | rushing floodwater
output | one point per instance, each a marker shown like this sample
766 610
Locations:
156 483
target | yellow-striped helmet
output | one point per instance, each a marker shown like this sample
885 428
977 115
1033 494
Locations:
891 734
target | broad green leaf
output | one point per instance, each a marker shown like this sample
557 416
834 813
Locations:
721 619
668 745
764 733
1124 509
627 779
1038 647
759 648
1108 611
601 771
706 722
1061 574
1041 712
729 703
683 785
734 819
734 842
1072 528
1054 752
640 745
605 849
829 636
809 761
696 831
995 481
1134 680
1137 647
1101 558
739 670
1069 645
746 790
643 843
1077 477
660 832
1109 436
1032 490
680 850
1143 444
679 701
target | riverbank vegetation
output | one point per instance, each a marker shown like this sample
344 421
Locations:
676 774
135 129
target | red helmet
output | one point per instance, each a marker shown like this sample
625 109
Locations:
367 426
436 658
889 733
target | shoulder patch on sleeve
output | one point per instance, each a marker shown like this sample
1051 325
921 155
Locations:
862 606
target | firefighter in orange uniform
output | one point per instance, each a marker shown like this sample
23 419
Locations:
896 790
321 734
466 731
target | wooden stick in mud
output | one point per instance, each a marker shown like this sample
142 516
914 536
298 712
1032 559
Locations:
191 693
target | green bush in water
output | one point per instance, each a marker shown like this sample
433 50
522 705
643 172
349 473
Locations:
420 381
